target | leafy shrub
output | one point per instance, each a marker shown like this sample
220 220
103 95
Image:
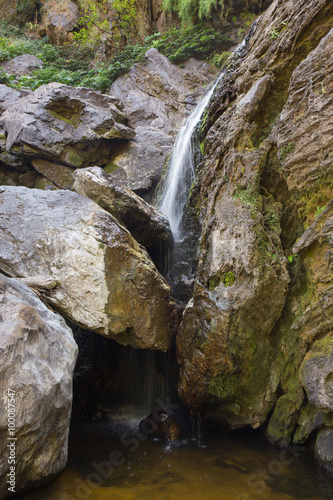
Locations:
220 60
71 63
195 41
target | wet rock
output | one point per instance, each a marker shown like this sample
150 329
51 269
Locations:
233 354
156 95
324 448
162 424
146 224
62 124
22 65
106 281
38 355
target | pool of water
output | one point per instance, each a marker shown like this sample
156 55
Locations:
118 463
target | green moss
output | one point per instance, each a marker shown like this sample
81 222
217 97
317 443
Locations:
229 278
284 418
248 195
74 120
285 151
111 167
73 158
223 388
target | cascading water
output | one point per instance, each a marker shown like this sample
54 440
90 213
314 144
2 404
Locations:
181 169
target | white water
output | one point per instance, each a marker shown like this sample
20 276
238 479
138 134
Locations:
181 171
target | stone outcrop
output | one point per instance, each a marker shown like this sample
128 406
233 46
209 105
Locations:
106 281
59 19
8 96
62 124
38 355
60 175
146 224
22 65
265 175
156 96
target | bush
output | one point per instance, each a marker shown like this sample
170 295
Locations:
195 41
71 63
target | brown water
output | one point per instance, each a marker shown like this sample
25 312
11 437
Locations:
238 466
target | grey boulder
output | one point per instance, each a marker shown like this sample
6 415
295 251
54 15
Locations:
70 125
38 355
22 65
106 280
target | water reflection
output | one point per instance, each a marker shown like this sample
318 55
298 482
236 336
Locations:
239 466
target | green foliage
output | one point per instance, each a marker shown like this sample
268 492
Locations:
292 258
127 13
188 10
101 23
274 33
285 151
319 210
71 63
247 196
220 60
229 278
196 41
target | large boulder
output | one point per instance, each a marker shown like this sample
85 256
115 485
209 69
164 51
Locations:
157 95
38 355
22 65
60 19
107 282
146 224
73 126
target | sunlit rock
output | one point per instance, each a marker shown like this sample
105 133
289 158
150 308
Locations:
106 280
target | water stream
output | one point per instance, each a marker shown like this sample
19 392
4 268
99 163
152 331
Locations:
181 170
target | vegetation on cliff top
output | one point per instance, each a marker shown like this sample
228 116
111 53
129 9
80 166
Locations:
71 63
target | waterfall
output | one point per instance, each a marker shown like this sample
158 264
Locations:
181 171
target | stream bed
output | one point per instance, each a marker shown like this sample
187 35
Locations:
113 462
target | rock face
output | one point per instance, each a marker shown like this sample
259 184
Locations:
22 65
59 19
156 95
73 126
38 355
8 96
265 175
107 282
146 224
324 448
62 176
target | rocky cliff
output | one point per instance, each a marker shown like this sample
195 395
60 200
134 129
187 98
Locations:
257 335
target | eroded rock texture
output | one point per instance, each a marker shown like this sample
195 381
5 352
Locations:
257 308
74 126
106 281
38 355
